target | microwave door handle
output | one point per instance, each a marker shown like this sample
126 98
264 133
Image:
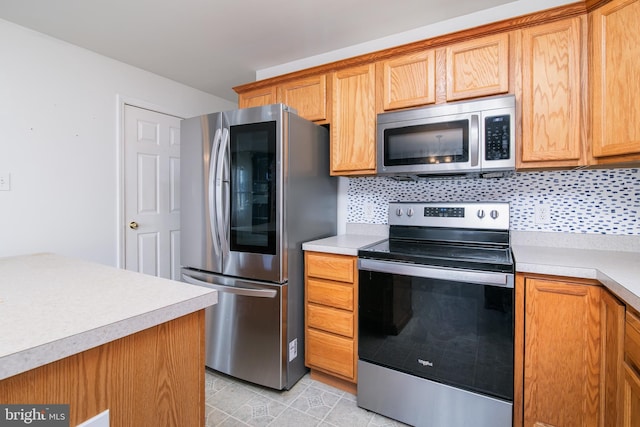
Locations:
222 184
237 290
474 139
213 194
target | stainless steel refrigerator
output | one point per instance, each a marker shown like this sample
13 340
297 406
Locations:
255 185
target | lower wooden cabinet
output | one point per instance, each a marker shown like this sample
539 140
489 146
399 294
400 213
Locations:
577 359
631 383
331 292
561 353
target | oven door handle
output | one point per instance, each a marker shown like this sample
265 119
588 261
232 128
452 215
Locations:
454 275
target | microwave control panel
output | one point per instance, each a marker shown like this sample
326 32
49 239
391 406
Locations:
497 133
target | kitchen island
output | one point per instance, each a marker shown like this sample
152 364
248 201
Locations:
98 338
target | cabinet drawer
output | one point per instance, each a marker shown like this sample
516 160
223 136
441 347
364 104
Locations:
330 319
333 294
331 267
330 353
632 340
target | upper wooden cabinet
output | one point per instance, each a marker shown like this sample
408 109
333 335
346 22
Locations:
308 96
615 81
478 67
406 81
553 132
353 121
257 98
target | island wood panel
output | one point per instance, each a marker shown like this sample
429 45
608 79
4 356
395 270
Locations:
615 81
152 378
552 113
562 353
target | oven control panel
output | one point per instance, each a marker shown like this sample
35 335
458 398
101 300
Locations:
482 215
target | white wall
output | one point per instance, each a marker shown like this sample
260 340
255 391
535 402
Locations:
59 141
472 20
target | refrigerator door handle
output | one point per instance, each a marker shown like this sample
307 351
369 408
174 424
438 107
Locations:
213 194
237 290
221 193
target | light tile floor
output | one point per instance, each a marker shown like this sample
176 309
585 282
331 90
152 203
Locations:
231 403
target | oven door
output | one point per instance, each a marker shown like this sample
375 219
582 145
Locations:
450 326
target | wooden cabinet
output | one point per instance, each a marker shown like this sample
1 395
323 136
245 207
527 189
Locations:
308 96
257 98
478 67
406 81
561 352
331 293
353 121
631 385
612 320
154 377
553 131
615 81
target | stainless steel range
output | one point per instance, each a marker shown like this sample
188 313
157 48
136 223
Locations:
436 316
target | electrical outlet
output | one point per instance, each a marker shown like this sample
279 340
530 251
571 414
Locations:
5 181
368 210
542 213
293 349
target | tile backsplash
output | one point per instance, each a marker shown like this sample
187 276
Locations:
599 201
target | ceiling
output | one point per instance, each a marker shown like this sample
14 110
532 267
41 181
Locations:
213 45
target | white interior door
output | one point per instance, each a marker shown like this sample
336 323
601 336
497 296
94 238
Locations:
152 192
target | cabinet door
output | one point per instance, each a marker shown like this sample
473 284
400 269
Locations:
308 96
478 67
353 122
631 406
615 81
612 320
562 354
407 81
552 127
257 98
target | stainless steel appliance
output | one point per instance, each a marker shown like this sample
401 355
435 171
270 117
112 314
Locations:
472 138
435 342
254 186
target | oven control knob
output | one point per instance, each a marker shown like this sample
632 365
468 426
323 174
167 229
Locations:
494 214
410 212
480 213
399 212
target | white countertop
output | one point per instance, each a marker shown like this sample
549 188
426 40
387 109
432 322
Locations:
52 307
619 271
343 244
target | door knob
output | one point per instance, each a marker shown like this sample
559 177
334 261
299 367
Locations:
133 225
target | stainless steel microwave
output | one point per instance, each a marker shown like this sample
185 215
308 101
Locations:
473 138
